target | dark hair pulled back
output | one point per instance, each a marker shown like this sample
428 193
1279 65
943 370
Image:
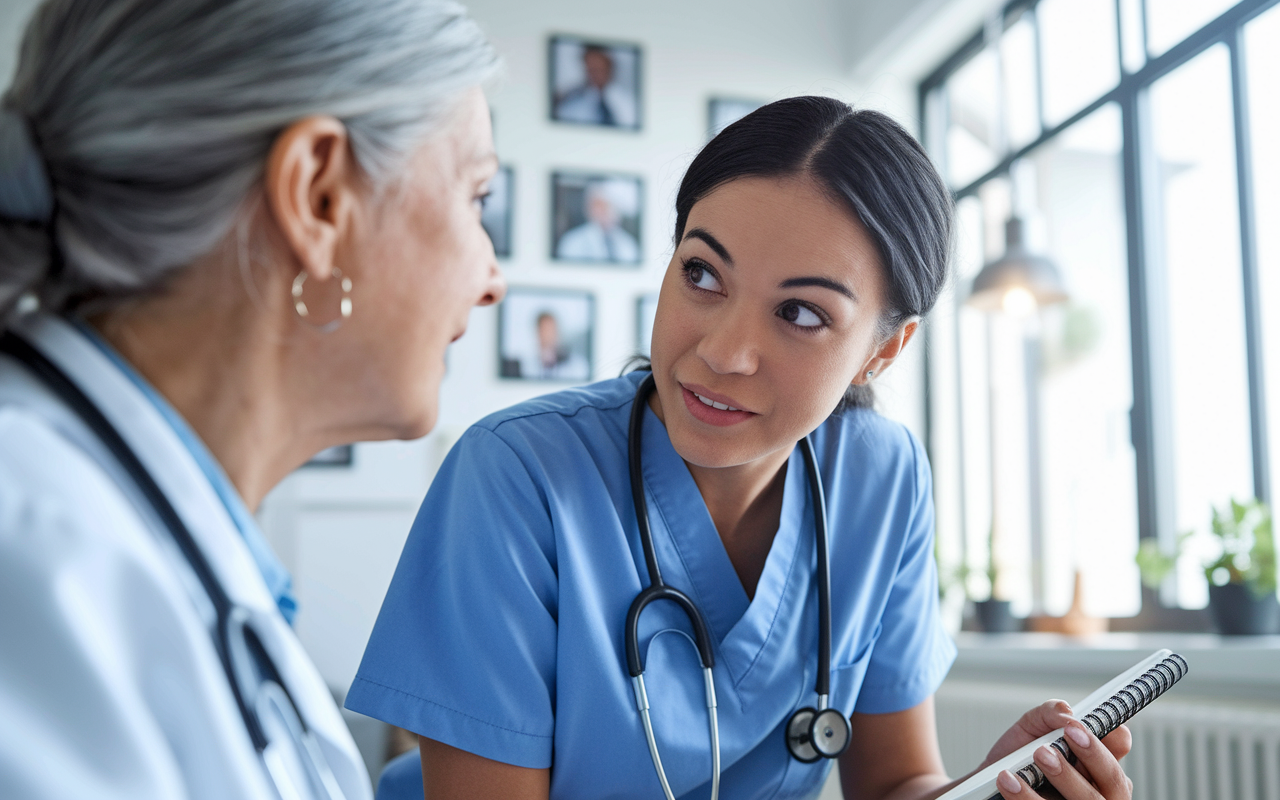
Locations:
864 161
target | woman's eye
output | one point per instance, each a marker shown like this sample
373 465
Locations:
479 200
701 277
800 316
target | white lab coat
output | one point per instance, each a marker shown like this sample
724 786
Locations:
110 684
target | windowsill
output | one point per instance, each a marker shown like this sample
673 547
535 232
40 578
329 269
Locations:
1243 667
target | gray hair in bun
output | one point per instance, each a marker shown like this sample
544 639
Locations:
135 130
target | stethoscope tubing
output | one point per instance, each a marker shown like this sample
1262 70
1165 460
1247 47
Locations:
823 681
658 589
713 724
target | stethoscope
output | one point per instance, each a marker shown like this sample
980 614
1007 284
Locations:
268 710
812 733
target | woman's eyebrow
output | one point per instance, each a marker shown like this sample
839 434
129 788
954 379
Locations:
712 242
825 283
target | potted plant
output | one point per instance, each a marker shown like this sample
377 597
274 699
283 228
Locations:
994 616
1239 561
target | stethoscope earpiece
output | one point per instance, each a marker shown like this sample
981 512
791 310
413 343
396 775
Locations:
814 734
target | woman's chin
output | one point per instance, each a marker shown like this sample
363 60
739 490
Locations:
415 412
420 424
405 425
706 452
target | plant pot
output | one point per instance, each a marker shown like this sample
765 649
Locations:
1237 612
994 616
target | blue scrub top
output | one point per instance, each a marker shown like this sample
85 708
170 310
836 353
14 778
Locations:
502 631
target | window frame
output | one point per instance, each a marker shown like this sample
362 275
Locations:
1151 422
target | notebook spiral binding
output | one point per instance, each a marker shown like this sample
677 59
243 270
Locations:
1117 709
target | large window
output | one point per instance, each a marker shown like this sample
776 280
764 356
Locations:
1127 137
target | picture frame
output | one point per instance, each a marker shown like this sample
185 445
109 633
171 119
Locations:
595 82
646 310
497 212
597 218
724 111
546 334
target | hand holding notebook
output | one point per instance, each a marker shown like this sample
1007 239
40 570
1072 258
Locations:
1101 712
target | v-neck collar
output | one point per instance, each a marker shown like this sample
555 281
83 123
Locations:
693 557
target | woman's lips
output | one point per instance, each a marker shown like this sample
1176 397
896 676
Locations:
697 403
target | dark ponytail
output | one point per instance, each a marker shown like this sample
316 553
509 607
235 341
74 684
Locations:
864 161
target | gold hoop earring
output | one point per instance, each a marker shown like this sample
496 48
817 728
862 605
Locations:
344 305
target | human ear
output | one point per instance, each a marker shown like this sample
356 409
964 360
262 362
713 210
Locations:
888 350
311 185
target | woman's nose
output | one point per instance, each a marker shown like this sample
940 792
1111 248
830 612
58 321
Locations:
495 287
730 345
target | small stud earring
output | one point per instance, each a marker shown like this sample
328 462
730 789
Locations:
870 372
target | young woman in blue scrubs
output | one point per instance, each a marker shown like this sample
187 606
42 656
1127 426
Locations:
810 240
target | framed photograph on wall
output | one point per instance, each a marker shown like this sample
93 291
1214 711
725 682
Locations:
496 214
595 217
646 309
595 82
545 334
724 111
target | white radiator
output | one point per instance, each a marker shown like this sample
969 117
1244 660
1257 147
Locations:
1182 749
1187 751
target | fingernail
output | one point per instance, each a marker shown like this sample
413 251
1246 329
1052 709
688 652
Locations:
1078 736
1048 760
1008 783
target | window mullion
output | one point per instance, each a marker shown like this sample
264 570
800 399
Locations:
1146 26
961 440
1249 265
1120 35
1151 420
1039 49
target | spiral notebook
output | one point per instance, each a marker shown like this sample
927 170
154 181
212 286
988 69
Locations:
1101 712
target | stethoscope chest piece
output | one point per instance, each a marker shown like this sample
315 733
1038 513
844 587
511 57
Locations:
814 734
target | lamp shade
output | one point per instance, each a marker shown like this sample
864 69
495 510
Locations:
1017 274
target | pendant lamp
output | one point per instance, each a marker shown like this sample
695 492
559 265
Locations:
1019 281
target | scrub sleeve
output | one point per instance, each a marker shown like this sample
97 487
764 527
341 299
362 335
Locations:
470 618
913 652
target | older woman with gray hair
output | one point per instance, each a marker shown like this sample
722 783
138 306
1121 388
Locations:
232 233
